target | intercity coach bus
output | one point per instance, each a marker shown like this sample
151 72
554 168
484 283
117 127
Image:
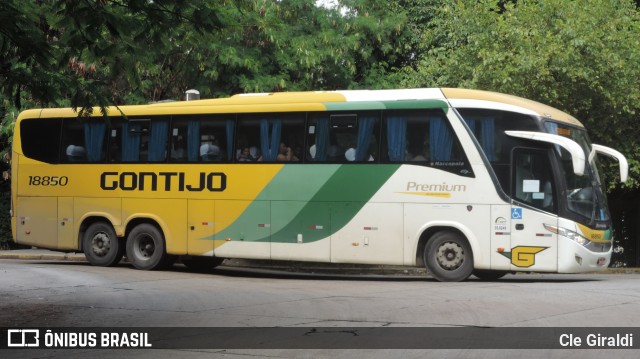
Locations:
461 181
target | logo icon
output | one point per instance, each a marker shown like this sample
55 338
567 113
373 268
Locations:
23 338
516 213
523 256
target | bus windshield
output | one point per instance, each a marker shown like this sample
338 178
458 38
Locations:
584 194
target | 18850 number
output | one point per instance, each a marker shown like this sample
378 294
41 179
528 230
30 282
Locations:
48 180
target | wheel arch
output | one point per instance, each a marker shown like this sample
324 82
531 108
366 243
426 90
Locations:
90 219
431 229
132 222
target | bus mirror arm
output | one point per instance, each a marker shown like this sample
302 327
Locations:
622 161
577 154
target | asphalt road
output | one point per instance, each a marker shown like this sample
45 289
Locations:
75 294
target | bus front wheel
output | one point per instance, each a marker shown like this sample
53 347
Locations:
448 257
101 246
146 247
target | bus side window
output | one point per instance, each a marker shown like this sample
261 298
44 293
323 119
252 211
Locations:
83 141
202 138
271 137
343 137
40 139
407 136
423 137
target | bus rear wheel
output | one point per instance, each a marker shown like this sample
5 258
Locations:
146 247
101 246
448 257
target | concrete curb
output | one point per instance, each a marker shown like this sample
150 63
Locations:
287 266
41 255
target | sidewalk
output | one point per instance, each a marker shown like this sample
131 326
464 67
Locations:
290 266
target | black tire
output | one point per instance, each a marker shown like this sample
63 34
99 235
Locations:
489 275
202 264
448 257
146 247
101 246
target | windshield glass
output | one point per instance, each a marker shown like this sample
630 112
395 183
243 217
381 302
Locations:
584 194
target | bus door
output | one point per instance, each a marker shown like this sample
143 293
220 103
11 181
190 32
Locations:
533 247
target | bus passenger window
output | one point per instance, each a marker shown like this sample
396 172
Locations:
84 141
202 139
40 138
343 137
423 137
273 137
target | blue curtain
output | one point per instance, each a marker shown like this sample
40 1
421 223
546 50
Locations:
488 137
365 130
487 134
440 139
130 142
270 145
397 137
322 139
193 140
94 140
158 141
229 128
472 125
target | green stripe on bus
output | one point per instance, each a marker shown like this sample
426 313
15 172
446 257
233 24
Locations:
300 200
334 205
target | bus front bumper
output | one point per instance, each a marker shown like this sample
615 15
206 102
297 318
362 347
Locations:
575 258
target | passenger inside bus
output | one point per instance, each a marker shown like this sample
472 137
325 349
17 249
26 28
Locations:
75 153
286 153
209 150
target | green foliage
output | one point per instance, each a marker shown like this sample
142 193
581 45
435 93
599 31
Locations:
579 56
89 52
295 45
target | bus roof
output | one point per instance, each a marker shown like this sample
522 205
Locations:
333 100
474 97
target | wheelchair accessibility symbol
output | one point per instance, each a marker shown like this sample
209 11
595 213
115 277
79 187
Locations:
516 213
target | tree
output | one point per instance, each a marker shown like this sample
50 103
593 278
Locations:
579 56
296 45
88 53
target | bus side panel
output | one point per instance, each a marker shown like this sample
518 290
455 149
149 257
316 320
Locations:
65 223
373 236
201 227
500 237
300 231
108 208
37 221
248 235
170 214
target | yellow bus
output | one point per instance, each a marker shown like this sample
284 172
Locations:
462 181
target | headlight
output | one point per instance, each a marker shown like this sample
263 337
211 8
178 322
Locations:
574 236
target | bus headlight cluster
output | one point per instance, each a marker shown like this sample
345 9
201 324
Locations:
572 235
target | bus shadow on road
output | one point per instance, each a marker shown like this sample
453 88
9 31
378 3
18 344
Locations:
338 273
